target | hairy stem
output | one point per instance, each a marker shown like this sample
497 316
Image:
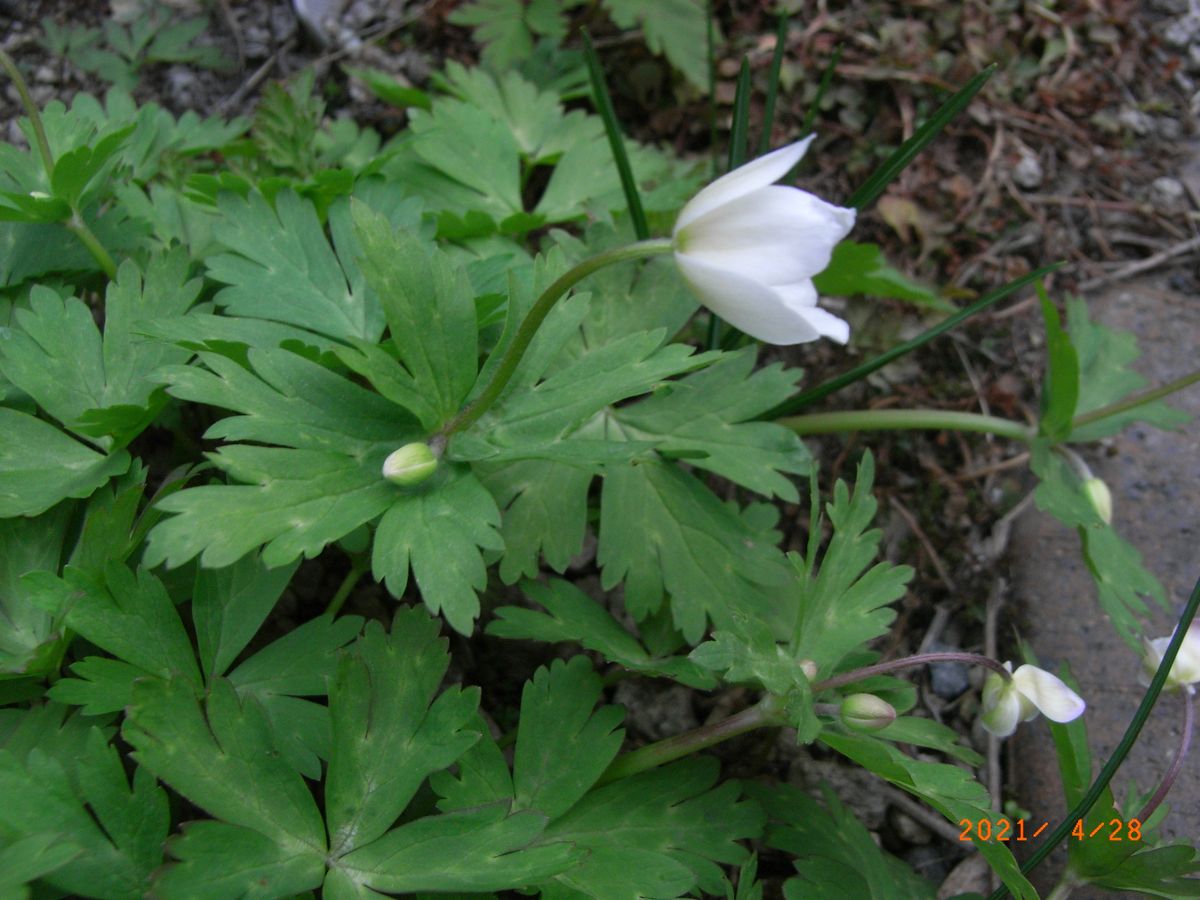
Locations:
767 712
906 419
534 318
1189 724
909 662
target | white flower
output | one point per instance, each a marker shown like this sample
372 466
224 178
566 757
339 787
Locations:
1030 691
1186 669
749 249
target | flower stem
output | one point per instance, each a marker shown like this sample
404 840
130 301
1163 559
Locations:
1189 724
534 318
767 712
358 565
905 419
88 238
909 662
31 110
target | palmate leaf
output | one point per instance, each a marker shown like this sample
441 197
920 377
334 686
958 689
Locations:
947 788
1105 376
281 267
39 465
842 603
705 417
100 385
834 855
439 533
571 615
663 532
675 28
131 617
389 731
268 838
657 834
115 841
1116 566
31 641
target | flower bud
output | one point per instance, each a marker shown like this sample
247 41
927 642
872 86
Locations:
1100 497
809 668
866 712
1186 670
410 465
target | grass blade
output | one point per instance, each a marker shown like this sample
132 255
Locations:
907 152
764 143
805 398
604 108
741 117
826 80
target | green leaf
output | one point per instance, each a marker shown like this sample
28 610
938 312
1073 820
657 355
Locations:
676 29
439 532
28 859
706 416
474 850
563 747
389 731
1105 376
500 26
842 603
128 615
280 267
862 269
1116 566
1060 390
672 812
221 757
430 309
544 507
388 89
39 465
31 640
298 500
229 605
834 855
571 615
947 788
117 837
663 532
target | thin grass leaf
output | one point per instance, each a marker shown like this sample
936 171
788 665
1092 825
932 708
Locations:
712 87
740 127
826 80
612 128
907 152
764 143
812 395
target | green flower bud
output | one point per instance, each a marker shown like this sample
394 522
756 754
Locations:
866 712
1100 497
410 465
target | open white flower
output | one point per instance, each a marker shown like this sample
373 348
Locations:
1186 669
749 249
1030 691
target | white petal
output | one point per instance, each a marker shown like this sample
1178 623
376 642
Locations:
753 175
776 234
828 324
799 295
1049 694
754 308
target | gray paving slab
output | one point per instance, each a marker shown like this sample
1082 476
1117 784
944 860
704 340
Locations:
1154 477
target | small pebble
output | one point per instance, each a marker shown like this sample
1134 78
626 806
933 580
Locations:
948 679
1167 191
1027 173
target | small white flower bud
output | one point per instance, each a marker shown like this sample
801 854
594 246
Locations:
809 668
1100 497
866 712
410 465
